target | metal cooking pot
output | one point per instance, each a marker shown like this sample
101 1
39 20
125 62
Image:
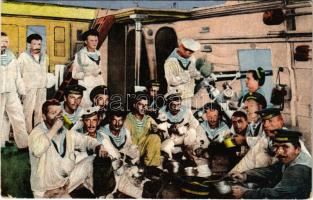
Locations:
223 187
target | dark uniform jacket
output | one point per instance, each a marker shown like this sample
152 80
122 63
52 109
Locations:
283 182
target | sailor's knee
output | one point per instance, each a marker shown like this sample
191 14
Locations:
154 139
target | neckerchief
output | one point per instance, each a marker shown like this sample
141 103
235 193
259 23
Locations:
175 119
62 147
117 140
213 134
93 56
73 117
183 62
254 128
94 60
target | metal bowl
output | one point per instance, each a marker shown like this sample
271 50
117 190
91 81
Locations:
223 187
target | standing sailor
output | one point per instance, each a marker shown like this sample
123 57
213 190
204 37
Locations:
10 85
180 70
86 66
34 66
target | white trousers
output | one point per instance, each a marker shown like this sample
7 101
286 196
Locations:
32 104
5 129
11 104
81 174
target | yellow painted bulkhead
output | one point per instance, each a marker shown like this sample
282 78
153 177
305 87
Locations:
63 27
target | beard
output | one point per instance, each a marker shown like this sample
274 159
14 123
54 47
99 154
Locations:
62 128
116 128
242 132
3 50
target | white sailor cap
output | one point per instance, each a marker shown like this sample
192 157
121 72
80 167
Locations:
91 111
190 44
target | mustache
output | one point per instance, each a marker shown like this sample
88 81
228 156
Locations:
91 127
280 156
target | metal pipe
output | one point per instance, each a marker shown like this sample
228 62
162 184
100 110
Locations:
290 60
137 52
138 37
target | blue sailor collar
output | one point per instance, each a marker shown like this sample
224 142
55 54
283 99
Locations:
185 62
94 56
62 146
117 140
9 56
212 131
178 118
75 114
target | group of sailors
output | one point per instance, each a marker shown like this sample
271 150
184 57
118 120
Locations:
66 137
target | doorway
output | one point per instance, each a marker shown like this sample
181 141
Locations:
165 43
116 62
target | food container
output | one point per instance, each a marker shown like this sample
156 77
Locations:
222 187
